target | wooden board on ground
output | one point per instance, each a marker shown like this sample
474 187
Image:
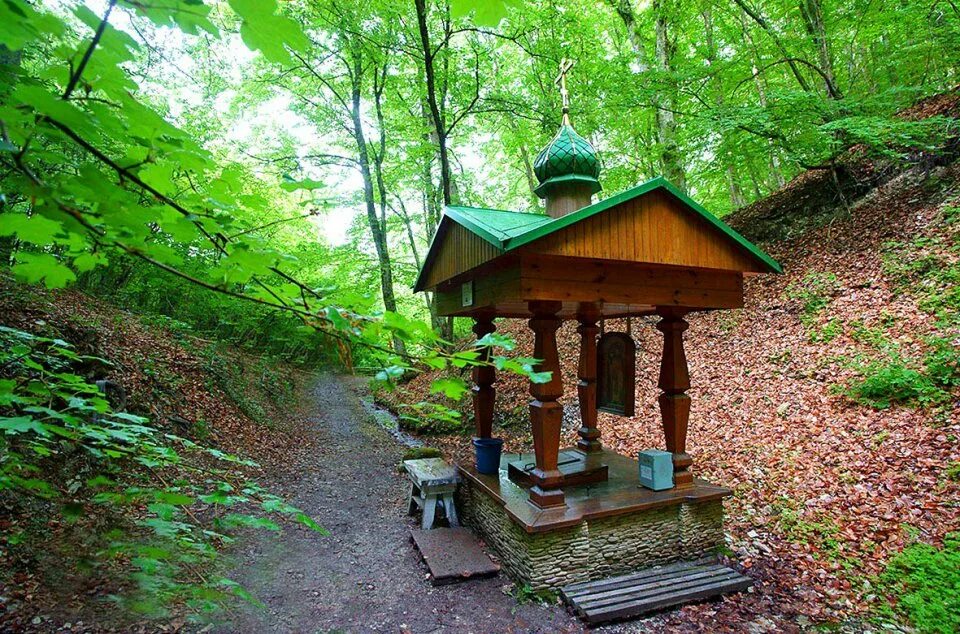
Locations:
453 554
651 589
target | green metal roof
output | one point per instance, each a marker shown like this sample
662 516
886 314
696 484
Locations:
496 225
567 157
509 230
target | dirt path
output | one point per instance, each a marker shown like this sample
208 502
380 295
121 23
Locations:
366 575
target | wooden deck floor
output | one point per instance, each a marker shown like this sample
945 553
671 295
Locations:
620 494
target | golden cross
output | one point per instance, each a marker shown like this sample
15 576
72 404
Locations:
561 80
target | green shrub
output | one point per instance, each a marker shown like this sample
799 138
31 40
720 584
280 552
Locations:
814 293
828 332
895 380
892 381
431 418
925 583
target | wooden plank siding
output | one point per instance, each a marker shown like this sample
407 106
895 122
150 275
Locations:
654 229
491 286
460 250
593 280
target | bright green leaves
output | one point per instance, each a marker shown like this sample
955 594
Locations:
291 185
34 229
42 267
20 24
22 424
268 33
485 12
48 407
451 387
190 16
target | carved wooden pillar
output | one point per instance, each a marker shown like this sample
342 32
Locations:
587 374
674 404
546 414
484 394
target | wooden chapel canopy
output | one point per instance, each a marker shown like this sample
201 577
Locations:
648 247
648 250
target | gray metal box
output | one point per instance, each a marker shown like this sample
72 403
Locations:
656 469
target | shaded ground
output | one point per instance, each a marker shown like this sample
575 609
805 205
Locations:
365 576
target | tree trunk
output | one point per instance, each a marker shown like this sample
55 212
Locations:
812 14
666 120
436 115
377 229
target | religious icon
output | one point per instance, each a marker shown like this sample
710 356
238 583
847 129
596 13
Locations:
616 373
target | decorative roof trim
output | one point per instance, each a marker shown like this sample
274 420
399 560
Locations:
542 189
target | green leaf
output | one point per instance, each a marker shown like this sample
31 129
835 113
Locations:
292 185
451 387
34 267
21 425
172 497
485 12
308 521
35 229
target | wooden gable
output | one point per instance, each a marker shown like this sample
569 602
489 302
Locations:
457 250
654 228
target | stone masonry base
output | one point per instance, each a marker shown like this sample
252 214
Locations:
595 548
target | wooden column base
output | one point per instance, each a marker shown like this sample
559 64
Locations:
546 414
547 418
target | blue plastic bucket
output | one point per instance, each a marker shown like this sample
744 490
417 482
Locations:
488 452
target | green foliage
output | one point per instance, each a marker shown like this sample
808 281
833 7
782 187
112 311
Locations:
925 584
524 593
827 332
953 471
52 419
432 418
814 293
894 379
928 269
418 453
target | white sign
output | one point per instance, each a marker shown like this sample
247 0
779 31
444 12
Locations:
466 293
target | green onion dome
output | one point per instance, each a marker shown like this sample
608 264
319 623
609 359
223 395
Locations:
568 157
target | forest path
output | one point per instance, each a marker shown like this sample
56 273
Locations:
366 575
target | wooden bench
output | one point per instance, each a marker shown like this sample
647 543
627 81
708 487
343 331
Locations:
433 483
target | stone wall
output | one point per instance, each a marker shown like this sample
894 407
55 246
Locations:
594 549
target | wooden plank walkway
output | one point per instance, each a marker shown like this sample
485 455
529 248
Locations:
652 589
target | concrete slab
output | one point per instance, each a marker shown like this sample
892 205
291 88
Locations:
453 554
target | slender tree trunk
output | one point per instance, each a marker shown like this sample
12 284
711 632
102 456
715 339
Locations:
776 169
624 9
670 162
439 126
812 13
436 115
737 199
377 228
666 119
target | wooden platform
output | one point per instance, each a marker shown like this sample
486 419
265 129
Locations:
453 554
576 466
652 589
621 493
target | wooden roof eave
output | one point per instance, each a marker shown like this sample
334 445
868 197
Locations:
768 264
507 242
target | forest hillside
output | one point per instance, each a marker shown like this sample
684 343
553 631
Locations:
829 403
62 570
